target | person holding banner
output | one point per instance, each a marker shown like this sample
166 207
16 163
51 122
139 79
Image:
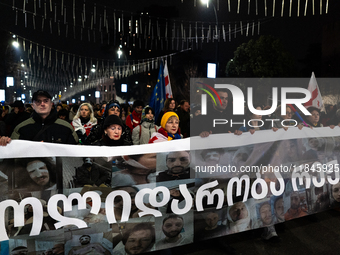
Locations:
112 108
252 123
314 119
44 125
217 108
113 129
286 118
169 129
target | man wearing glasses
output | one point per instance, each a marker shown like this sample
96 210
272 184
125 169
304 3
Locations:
44 125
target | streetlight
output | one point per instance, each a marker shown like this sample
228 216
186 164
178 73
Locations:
216 36
15 44
119 52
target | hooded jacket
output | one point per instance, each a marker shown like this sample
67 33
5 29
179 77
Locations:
143 132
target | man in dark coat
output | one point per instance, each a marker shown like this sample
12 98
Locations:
44 124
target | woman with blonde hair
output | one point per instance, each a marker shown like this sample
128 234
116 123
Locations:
84 121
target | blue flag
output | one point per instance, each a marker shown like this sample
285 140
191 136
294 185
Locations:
158 96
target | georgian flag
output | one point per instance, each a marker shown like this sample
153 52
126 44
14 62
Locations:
168 91
316 99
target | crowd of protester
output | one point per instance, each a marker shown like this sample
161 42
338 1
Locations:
108 123
95 124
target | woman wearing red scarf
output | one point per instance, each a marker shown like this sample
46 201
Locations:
169 129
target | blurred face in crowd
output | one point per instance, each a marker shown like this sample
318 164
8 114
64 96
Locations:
139 109
42 106
279 209
197 112
255 116
172 227
171 125
172 105
238 211
289 114
149 115
103 108
314 118
118 202
62 117
85 111
185 107
59 107
114 132
114 110
211 220
313 142
336 192
38 172
84 240
211 158
224 98
139 241
58 248
148 162
175 193
266 214
294 200
178 161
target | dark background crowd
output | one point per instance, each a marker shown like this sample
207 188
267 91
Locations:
138 122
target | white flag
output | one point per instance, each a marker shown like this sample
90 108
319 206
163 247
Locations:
168 91
316 99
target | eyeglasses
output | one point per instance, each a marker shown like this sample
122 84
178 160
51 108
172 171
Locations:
38 102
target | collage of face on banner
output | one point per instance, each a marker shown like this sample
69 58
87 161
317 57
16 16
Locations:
168 202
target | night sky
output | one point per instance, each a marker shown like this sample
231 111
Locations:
298 34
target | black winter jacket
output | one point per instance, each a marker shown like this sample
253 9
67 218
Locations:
51 130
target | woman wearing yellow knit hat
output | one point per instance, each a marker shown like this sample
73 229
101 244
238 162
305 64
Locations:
169 129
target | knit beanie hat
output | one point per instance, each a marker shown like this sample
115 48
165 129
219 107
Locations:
109 105
166 116
111 120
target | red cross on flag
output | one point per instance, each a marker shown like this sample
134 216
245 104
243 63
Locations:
168 91
316 99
